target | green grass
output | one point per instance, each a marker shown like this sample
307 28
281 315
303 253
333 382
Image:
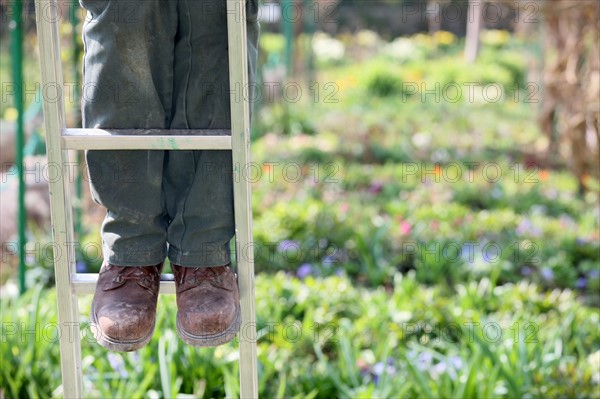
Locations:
328 338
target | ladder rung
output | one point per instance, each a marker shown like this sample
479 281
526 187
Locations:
146 139
85 283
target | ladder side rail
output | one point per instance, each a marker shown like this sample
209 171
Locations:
47 18
240 136
61 211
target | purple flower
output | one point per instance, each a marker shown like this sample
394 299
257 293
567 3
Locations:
424 361
80 266
449 366
536 231
339 272
492 253
526 271
566 220
438 369
547 274
593 274
304 270
117 363
376 187
378 368
468 252
525 227
364 372
328 261
390 366
456 362
286 245
581 283
376 379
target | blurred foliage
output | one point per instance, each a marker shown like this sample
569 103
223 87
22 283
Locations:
409 341
414 210
396 177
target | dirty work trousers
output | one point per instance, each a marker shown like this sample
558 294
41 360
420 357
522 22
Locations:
161 64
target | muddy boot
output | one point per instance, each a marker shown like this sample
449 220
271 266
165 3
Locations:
208 305
124 306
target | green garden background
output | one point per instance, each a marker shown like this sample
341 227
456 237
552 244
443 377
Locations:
425 224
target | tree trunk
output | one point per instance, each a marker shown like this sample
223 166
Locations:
474 23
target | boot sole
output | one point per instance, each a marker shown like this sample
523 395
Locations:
113 344
211 340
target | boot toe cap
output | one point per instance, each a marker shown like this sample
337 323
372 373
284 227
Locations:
200 321
125 324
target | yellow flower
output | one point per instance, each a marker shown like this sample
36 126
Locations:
495 37
10 114
444 38
413 75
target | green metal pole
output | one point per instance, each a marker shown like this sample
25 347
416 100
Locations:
16 27
309 25
288 13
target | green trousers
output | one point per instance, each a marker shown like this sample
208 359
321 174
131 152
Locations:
162 64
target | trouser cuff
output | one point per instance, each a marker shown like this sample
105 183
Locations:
133 258
208 255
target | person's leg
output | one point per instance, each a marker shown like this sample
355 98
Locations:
128 78
128 70
198 184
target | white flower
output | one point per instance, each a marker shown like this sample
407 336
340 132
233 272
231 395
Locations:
402 49
326 48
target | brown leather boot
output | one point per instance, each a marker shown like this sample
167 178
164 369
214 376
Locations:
208 305
124 306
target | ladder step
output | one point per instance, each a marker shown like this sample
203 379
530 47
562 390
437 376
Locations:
85 283
146 139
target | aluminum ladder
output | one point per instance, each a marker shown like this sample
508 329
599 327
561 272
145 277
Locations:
60 139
